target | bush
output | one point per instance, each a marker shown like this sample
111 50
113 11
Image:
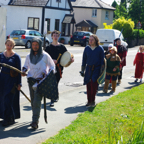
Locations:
107 26
135 34
126 25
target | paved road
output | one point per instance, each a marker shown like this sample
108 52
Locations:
72 102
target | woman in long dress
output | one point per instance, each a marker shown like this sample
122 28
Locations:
139 62
9 80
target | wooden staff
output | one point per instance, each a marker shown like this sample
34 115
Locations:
11 67
25 95
59 57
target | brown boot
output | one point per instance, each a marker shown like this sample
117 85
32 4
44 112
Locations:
113 87
106 86
119 81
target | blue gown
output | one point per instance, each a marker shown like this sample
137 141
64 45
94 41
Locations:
92 57
9 95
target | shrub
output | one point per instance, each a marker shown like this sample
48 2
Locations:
135 34
126 25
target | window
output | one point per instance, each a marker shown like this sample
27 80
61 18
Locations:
37 34
33 23
32 33
107 15
87 34
94 12
18 32
57 21
58 0
94 30
48 24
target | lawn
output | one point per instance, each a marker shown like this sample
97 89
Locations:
118 118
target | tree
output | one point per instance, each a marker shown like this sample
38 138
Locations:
114 4
124 2
121 11
136 11
126 24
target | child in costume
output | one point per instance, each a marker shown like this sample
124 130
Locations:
113 63
139 62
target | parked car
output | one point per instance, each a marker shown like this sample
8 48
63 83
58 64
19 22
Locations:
24 37
81 38
108 36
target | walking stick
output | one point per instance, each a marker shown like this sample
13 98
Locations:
45 113
25 95
11 67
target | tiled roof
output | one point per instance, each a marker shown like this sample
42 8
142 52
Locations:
40 3
92 4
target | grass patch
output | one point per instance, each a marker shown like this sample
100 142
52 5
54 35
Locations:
117 119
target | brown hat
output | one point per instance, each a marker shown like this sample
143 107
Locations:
114 49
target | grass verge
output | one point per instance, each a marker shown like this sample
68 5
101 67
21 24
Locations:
117 119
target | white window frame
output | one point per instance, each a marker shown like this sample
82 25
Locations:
94 12
107 15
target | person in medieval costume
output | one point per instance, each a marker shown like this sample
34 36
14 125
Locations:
113 63
122 52
54 50
92 62
139 62
38 64
10 84
108 51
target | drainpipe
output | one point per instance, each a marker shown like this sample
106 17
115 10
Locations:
43 20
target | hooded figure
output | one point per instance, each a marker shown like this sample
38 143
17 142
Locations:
39 56
113 63
38 64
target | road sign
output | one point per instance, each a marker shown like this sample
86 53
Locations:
139 25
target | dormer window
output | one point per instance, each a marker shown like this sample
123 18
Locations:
94 13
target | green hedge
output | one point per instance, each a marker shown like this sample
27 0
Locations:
135 34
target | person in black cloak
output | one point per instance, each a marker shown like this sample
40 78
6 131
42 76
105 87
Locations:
9 80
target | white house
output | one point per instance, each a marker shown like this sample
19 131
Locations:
34 14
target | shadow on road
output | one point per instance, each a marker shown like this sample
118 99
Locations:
19 130
28 108
75 109
133 84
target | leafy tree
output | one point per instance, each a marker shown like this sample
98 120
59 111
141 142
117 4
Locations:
121 11
124 2
126 24
136 11
114 4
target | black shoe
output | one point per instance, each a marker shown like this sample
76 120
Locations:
93 104
7 123
136 80
56 100
52 104
88 104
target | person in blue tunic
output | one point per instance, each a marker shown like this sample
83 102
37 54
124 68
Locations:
92 62
9 80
